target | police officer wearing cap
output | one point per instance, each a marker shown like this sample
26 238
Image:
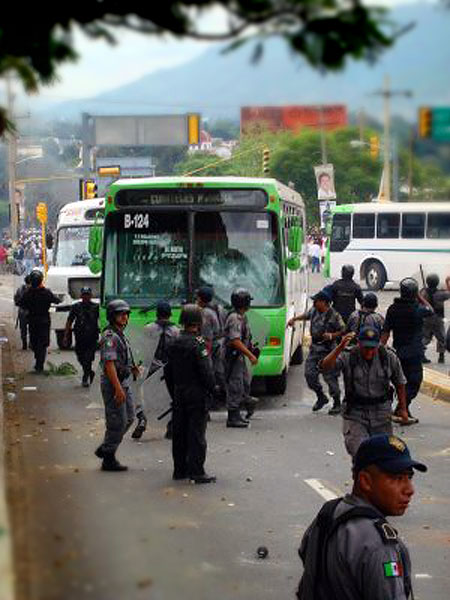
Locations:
326 326
351 551
118 367
238 347
369 369
405 318
344 293
83 316
189 370
37 301
433 326
366 316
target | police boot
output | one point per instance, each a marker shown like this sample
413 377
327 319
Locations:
235 419
336 408
169 431
110 463
91 376
85 381
250 405
441 359
24 344
425 360
320 402
205 478
140 427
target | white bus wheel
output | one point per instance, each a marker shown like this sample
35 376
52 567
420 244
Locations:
375 276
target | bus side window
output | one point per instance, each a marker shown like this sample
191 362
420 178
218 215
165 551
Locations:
438 226
363 226
340 232
388 225
413 225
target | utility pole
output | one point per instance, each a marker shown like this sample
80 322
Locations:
410 163
12 158
323 146
387 94
361 120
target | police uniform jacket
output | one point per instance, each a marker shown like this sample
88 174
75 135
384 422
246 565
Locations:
85 315
211 329
115 346
329 321
237 328
37 302
189 370
363 318
436 298
370 379
405 319
344 292
364 560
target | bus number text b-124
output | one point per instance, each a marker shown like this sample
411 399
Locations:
136 221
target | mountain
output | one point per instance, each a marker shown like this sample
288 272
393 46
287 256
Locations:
217 84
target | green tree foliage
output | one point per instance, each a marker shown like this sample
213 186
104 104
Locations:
325 32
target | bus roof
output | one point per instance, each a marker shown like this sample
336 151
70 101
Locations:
393 207
73 213
286 192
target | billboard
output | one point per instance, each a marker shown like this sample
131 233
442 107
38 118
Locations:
294 117
325 182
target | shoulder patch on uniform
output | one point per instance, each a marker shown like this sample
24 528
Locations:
394 568
387 532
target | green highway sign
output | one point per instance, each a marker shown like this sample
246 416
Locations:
440 124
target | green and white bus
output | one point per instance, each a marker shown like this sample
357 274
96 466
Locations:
386 242
164 237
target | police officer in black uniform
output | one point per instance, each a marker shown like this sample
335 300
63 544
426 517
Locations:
344 292
22 317
191 375
405 319
84 317
351 551
434 324
37 301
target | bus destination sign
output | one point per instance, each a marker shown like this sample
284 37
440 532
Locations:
191 197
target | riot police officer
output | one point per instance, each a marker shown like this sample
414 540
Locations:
344 292
405 319
84 316
368 369
434 324
189 370
351 551
22 317
37 301
326 326
118 366
238 346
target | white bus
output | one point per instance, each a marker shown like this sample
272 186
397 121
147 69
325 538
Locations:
386 242
69 272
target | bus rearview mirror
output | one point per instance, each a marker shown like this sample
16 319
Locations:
295 240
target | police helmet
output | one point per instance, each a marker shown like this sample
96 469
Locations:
241 298
191 315
36 278
85 290
347 271
205 293
370 300
27 279
163 309
432 280
409 288
116 306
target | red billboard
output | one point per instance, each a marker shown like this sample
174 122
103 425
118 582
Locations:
294 118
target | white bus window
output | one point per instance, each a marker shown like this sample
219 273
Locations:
438 226
413 225
363 226
388 225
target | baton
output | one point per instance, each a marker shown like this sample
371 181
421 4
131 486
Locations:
164 414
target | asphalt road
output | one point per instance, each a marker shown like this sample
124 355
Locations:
81 533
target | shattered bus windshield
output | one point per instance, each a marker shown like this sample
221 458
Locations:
72 246
238 249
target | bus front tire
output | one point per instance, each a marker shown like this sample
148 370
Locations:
276 385
375 276
297 357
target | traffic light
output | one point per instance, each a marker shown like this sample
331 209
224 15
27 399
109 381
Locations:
266 158
374 143
425 122
90 188
41 212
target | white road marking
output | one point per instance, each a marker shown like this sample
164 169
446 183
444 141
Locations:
423 576
321 489
94 405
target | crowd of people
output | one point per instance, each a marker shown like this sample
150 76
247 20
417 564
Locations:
22 256
316 245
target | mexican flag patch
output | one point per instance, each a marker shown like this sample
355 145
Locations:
393 569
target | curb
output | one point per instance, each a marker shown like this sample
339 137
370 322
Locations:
436 385
6 560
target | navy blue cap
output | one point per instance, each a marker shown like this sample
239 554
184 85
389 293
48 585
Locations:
163 308
387 452
205 293
85 290
369 337
322 295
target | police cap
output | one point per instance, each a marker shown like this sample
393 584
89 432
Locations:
205 293
163 309
116 306
191 315
370 300
409 288
85 290
241 298
322 295
369 337
388 452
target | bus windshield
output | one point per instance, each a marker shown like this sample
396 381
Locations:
72 246
155 255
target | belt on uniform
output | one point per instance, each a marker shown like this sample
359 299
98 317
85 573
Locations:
367 401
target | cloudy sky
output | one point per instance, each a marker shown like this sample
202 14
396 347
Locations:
102 67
